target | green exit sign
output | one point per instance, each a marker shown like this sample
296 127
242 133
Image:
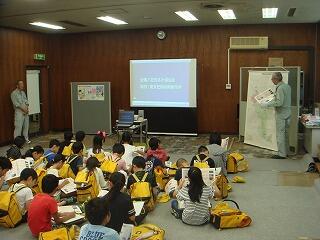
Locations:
39 56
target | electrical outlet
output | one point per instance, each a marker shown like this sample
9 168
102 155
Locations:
228 86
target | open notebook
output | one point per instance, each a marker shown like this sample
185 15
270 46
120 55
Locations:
73 208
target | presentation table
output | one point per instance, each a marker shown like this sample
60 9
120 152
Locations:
311 139
140 126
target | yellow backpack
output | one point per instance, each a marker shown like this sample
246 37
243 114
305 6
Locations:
172 170
87 185
236 163
161 177
224 216
38 187
100 156
222 184
67 150
141 190
201 163
10 214
109 165
66 171
40 163
147 231
56 234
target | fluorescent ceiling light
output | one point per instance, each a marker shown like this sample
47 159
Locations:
47 25
112 20
269 12
227 14
186 15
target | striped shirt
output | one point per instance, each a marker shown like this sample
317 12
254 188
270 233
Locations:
195 213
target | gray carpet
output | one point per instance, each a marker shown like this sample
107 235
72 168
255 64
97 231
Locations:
278 211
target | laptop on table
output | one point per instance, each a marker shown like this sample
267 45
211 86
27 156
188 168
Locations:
126 118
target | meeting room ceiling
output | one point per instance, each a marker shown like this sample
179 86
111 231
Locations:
81 15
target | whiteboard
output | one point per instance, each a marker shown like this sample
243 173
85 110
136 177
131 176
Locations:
260 126
33 91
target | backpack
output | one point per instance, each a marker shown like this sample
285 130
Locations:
109 165
87 185
224 216
172 170
40 163
161 177
222 184
65 171
10 214
100 156
56 234
201 163
141 191
236 163
67 150
38 187
147 231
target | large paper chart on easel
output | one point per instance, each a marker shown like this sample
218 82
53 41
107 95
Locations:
260 127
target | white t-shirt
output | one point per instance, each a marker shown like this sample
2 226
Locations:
53 171
23 196
129 153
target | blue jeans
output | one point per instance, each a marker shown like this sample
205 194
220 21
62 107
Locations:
176 211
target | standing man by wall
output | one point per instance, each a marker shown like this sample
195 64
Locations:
21 111
282 105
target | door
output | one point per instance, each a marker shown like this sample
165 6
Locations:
38 97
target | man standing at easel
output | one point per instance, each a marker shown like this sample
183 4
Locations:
282 105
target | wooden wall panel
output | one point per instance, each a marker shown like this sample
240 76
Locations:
17 51
104 56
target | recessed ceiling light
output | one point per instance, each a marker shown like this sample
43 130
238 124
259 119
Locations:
227 14
269 12
186 15
47 25
112 20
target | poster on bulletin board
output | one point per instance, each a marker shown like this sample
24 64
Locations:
91 92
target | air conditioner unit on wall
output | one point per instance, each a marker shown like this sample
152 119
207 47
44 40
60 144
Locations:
248 42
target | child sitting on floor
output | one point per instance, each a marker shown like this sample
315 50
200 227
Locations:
54 145
195 196
76 159
44 207
156 150
201 160
14 152
98 214
23 192
96 150
93 166
80 136
5 166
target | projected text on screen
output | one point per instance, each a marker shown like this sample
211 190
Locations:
163 83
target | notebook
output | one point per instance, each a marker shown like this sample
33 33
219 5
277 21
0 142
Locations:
126 118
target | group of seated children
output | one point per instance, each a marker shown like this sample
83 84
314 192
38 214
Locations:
131 179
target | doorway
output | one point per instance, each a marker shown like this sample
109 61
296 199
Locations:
37 89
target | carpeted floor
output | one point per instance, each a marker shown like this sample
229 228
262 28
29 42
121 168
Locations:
278 195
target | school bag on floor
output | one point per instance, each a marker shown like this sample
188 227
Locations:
59 234
147 231
141 190
222 184
224 216
87 185
236 163
201 163
38 187
10 215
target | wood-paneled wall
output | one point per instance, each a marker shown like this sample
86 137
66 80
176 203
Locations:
16 52
104 56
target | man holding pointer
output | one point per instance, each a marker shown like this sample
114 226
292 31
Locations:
21 111
282 105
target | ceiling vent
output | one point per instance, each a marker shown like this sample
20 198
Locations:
72 23
248 42
211 5
291 12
